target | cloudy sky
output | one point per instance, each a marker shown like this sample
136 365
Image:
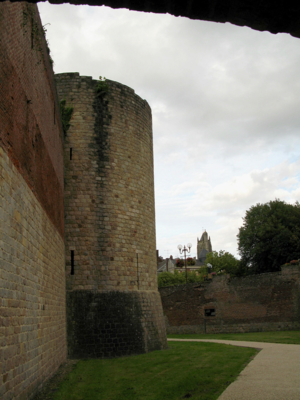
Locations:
225 104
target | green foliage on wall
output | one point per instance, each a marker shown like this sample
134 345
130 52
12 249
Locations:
223 262
178 278
66 114
102 86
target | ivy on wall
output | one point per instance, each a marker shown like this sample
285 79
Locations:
102 86
66 114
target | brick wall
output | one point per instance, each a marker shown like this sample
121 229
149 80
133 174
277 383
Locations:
30 127
254 303
32 284
32 288
110 221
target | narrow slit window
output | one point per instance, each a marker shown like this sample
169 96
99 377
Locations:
72 262
70 153
32 32
210 312
54 115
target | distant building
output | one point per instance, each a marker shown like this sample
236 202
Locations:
166 265
203 247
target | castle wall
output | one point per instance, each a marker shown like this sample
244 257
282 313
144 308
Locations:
265 302
113 304
32 285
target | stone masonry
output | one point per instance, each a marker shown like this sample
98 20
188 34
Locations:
265 302
32 288
112 301
109 221
108 261
32 260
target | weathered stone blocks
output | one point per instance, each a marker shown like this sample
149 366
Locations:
32 288
110 216
32 262
115 323
265 302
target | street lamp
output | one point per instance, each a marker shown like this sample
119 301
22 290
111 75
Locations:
184 250
209 268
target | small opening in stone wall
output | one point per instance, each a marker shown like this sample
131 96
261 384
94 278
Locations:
32 32
70 153
137 271
72 262
54 115
210 312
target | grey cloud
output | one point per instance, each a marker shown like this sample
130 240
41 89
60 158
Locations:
225 109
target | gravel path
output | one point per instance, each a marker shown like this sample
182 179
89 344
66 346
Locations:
274 374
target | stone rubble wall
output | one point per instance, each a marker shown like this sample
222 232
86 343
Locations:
264 302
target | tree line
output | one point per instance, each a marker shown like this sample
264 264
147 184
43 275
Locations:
268 239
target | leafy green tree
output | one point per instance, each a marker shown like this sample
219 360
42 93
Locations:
270 236
165 279
223 261
178 278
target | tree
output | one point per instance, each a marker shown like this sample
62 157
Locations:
178 278
223 261
270 236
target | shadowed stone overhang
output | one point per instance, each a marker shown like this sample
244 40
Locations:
263 15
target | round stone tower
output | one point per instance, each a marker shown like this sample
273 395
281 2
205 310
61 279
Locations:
113 305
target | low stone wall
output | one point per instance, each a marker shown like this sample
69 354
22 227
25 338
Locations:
264 302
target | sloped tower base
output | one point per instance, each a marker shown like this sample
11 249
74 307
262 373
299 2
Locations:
114 324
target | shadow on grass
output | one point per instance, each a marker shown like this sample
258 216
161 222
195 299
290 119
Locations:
185 370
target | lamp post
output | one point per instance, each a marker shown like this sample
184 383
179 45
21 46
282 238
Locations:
209 268
184 250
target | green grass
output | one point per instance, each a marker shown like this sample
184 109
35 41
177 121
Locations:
288 337
197 370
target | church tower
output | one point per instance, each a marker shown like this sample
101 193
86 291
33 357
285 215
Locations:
203 247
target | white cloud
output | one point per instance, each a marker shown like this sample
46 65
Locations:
225 103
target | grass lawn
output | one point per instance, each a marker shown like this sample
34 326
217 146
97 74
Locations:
185 370
288 337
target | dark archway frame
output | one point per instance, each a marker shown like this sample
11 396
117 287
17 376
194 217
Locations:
262 15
